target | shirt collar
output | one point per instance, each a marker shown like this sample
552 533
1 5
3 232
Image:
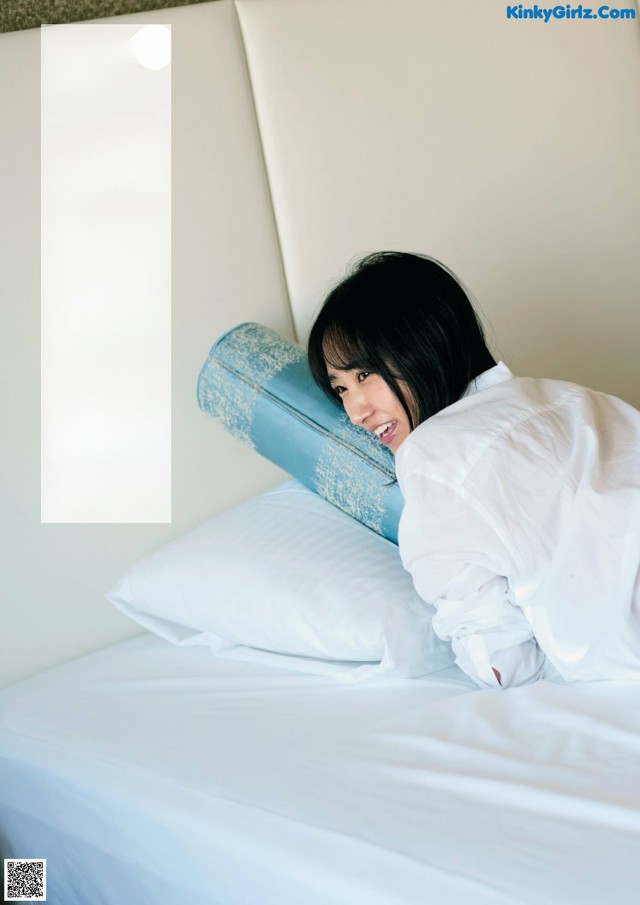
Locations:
498 374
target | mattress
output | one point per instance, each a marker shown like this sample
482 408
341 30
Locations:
155 774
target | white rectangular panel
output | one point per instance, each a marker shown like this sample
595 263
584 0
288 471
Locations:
106 273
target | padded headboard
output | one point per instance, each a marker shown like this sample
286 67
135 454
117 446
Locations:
490 142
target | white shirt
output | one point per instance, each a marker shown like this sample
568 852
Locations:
521 526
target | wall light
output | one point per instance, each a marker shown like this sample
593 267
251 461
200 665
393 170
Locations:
151 46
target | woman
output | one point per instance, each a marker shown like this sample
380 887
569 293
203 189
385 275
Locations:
521 522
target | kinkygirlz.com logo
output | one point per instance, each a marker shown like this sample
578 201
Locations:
567 11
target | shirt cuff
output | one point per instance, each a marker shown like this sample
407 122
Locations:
518 665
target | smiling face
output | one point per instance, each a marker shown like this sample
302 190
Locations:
371 403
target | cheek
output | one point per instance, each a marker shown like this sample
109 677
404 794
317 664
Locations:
409 400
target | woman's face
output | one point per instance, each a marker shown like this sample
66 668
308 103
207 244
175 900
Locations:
370 403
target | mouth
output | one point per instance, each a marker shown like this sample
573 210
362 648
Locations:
385 432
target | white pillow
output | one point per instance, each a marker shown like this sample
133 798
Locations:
287 579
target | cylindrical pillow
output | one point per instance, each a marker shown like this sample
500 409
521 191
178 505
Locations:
258 385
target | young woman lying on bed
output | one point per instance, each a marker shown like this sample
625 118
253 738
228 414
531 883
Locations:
521 522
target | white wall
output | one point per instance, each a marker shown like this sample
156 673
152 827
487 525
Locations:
226 268
509 150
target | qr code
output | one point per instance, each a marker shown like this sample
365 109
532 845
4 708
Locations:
25 879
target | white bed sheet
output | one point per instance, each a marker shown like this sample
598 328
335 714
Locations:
154 774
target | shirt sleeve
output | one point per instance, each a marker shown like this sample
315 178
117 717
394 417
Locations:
459 564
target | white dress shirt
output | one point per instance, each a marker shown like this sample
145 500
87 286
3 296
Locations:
521 526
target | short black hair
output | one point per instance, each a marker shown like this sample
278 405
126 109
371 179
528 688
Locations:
405 317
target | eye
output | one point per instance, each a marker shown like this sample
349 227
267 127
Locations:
338 390
362 375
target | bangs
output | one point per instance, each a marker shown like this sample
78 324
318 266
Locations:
342 349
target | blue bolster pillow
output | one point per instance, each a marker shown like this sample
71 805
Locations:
258 386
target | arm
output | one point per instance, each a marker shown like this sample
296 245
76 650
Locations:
491 638
459 564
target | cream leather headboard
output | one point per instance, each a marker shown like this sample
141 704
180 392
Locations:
507 149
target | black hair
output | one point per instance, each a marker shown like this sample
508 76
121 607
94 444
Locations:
405 317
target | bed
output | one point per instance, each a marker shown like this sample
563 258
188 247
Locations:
290 730
153 773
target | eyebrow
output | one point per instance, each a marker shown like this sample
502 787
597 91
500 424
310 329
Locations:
349 366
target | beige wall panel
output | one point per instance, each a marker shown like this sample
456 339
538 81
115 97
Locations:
508 149
226 268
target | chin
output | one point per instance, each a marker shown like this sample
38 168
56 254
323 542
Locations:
397 442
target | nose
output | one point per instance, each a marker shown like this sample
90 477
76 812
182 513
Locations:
358 408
